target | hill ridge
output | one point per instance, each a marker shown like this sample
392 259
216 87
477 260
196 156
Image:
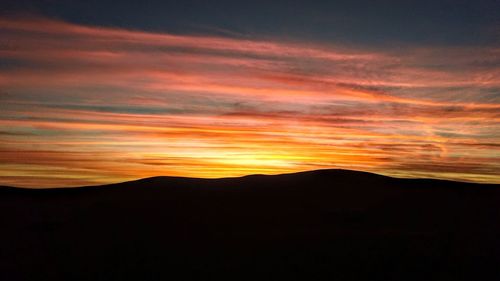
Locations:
317 172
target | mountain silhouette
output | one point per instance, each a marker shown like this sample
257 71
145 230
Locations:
316 225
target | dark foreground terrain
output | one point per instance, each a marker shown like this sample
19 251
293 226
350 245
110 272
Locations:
319 225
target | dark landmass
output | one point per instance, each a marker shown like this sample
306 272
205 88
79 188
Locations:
318 225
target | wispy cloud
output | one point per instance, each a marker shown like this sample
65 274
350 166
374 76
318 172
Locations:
82 105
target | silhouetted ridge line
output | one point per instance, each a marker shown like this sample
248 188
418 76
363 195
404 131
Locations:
314 225
339 174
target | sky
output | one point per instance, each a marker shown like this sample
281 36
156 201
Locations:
95 92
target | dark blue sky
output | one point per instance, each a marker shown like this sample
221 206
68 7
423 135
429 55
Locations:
371 23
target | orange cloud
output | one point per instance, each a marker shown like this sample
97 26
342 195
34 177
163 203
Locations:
107 104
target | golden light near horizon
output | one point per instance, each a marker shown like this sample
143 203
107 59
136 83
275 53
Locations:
111 104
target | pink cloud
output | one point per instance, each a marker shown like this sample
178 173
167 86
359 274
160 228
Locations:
216 106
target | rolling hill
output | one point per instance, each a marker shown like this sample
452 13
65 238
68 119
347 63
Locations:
317 225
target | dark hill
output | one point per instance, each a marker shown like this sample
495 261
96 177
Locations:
318 225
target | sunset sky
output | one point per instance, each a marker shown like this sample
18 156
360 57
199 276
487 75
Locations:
92 92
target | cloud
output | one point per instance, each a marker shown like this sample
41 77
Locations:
106 104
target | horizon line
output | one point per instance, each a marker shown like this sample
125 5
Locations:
251 175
